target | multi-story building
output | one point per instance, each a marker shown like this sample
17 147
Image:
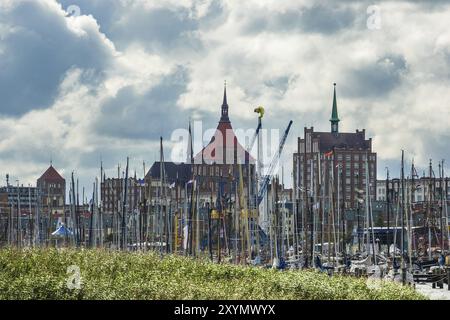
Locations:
112 194
347 159
417 191
176 178
51 188
18 196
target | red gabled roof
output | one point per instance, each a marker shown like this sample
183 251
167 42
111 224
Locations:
51 175
224 147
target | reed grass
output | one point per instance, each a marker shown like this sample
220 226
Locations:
42 274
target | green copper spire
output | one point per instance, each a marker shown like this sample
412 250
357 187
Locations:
334 115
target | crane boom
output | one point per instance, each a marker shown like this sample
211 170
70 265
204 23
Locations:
252 142
273 164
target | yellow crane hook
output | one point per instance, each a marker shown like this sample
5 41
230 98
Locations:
260 111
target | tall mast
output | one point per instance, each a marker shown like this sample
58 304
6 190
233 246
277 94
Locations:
441 176
311 208
30 219
444 209
403 219
91 223
411 211
124 210
74 215
388 212
429 211
19 218
367 205
100 203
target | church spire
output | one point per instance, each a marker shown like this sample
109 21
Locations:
224 117
334 114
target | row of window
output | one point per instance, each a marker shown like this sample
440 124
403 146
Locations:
51 185
348 173
348 157
208 170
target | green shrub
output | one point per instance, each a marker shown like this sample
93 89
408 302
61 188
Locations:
42 274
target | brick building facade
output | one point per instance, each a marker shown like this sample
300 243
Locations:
344 158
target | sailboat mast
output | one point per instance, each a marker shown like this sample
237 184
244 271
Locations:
403 217
429 212
124 210
388 196
441 176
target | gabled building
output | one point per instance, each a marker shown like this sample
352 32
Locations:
51 188
335 156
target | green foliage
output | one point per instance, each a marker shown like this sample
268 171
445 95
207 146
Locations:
42 274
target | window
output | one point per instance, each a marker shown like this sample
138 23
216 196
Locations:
347 181
339 157
356 157
348 157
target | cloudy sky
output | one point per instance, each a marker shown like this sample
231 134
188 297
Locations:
84 80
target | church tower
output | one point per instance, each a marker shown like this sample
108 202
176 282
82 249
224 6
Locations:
334 115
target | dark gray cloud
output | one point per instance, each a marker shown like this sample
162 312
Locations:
36 53
280 84
326 19
143 116
152 114
159 29
377 79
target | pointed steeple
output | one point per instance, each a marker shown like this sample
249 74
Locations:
334 114
224 117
